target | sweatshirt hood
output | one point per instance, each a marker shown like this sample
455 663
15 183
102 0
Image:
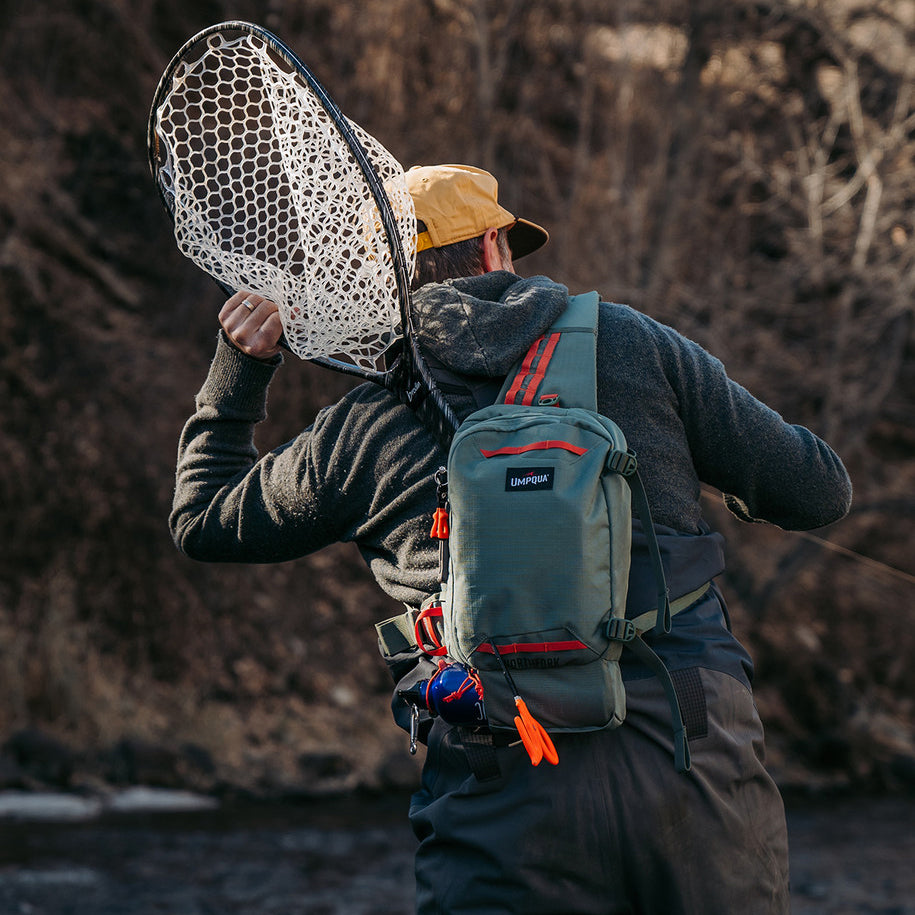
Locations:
482 325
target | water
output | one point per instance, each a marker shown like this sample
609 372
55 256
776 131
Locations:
354 857
325 858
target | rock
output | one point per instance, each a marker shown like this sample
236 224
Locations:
41 757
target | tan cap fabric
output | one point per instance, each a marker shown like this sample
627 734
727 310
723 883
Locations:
457 202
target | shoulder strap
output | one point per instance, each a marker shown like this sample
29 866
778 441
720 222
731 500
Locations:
481 390
560 367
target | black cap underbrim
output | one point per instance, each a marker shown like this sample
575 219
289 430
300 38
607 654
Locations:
526 237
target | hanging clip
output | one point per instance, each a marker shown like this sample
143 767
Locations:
440 518
440 528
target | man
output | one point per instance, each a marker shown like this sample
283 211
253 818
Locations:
613 828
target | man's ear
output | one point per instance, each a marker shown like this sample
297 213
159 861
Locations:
492 255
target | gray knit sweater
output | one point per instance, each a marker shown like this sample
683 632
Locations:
363 471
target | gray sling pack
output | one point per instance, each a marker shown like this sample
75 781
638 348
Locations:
540 494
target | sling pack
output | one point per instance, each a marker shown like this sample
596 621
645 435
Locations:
540 493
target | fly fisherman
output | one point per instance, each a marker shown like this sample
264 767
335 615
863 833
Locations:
613 828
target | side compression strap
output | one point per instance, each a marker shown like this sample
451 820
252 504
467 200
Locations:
681 747
662 625
640 501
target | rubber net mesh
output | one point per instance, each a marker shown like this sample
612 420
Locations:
267 196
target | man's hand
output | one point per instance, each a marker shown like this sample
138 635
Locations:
253 324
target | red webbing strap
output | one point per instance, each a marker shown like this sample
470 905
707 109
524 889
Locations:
524 371
425 626
533 370
534 446
534 647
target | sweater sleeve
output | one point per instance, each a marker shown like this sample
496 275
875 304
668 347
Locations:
768 469
231 507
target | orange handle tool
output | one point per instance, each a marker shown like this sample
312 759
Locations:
536 741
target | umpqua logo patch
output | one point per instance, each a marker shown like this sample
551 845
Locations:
528 479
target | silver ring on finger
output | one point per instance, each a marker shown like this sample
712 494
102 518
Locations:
249 305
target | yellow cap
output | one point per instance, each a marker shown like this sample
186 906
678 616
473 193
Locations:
457 202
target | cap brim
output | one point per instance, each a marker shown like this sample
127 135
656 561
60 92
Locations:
526 237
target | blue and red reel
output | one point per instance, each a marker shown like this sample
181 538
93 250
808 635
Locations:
454 693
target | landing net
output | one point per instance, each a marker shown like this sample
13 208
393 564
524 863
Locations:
266 195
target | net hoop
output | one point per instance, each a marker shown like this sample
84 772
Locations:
273 189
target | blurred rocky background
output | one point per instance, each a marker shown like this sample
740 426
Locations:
742 170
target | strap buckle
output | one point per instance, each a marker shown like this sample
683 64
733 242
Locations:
622 462
620 630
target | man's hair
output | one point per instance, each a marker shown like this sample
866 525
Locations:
463 258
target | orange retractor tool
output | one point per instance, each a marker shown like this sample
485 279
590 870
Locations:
536 741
